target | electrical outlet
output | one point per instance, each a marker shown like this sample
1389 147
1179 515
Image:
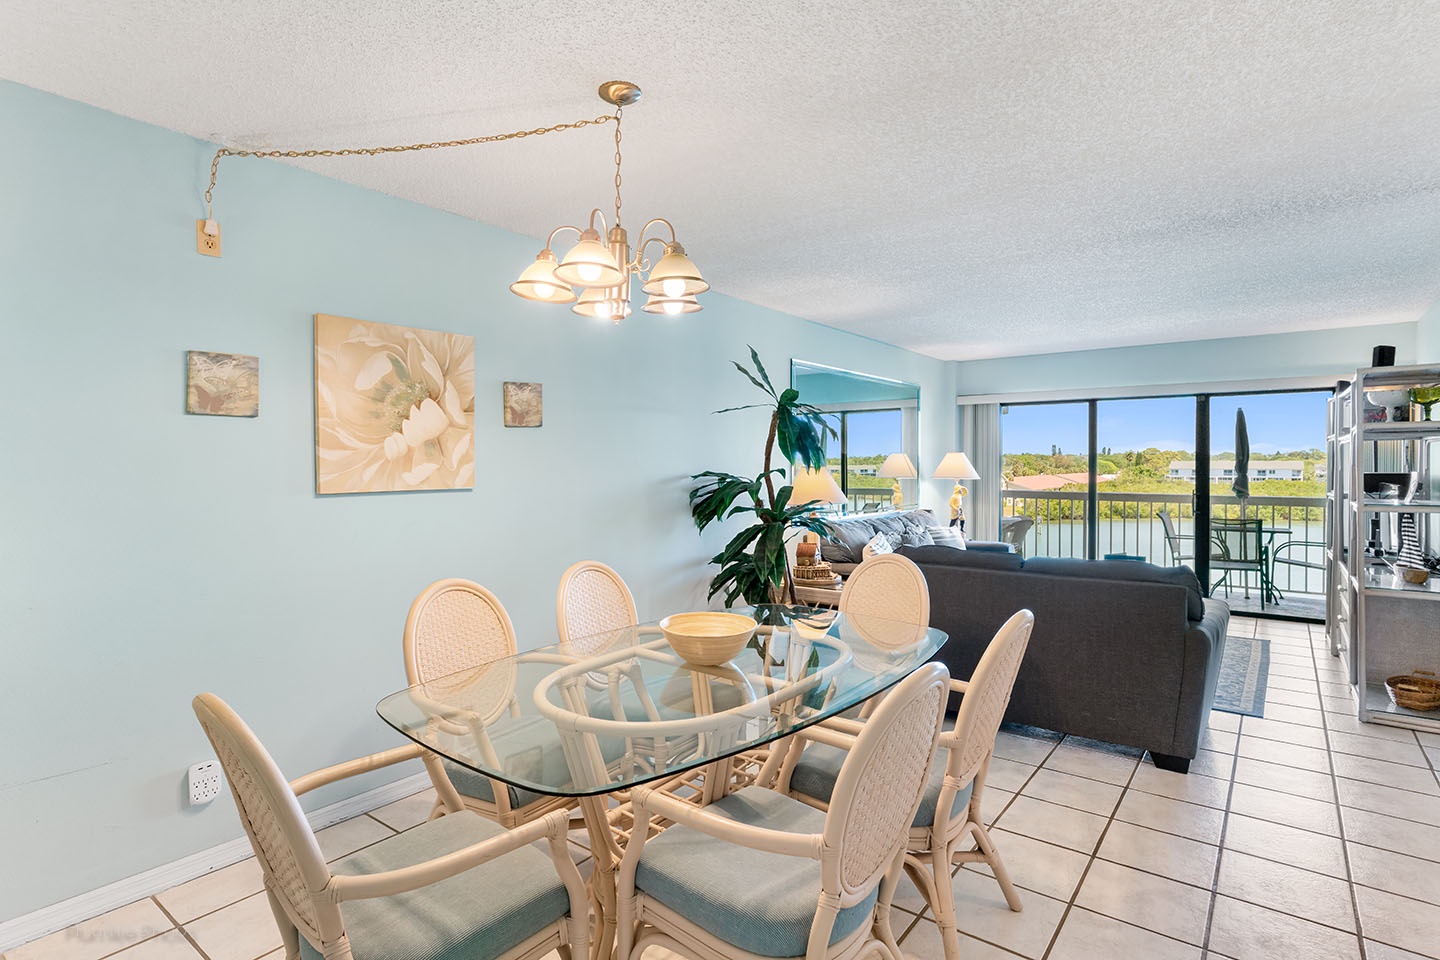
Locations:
207 237
206 781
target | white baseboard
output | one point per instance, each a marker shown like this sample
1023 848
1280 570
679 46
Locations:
58 916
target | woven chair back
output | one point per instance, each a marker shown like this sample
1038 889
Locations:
986 697
887 586
282 839
880 786
592 602
455 625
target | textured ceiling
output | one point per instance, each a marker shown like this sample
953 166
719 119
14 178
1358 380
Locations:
965 179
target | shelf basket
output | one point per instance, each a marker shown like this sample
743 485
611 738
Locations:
1419 690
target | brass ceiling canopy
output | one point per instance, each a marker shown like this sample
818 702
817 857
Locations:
621 93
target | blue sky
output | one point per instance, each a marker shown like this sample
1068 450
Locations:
875 432
1276 421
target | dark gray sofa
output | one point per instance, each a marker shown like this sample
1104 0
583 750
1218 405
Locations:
1122 651
846 536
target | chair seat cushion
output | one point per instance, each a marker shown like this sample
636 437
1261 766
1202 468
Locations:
760 902
476 915
472 783
819 765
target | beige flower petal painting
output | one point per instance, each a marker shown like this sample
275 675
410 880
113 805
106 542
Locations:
394 407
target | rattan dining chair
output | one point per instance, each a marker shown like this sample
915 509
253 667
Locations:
812 771
890 587
759 874
592 600
458 886
455 626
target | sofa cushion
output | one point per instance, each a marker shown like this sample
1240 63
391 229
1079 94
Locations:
846 536
948 537
1125 570
949 556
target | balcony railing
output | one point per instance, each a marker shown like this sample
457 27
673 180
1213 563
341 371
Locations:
1129 523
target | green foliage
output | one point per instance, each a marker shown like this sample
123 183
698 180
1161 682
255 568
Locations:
754 560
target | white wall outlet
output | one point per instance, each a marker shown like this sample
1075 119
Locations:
205 780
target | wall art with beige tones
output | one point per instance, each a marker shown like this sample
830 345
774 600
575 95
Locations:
394 407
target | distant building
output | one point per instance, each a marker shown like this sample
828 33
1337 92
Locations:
1224 470
1053 481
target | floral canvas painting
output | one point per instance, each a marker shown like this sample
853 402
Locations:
524 404
394 407
222 384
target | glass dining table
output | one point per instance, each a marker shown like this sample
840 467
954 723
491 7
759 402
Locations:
602 714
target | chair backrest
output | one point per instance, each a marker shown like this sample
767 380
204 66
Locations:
1013 530
888 586
282 839
1171 537
986 697
592 600
455 625
881 783
1236 541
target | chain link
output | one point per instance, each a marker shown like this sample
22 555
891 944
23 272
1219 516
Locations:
405 148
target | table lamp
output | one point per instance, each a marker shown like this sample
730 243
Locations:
808 485
898 467
957 467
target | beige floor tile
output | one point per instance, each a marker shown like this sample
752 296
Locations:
1025 749
1418 779
1378 798
1310 896
1178 858
1035 865
1218 740
345 838
1405 923
1395 873
1008 774
1241 627
1294 673
1375 950
1278 696
1052 823
1290 845
1429 739
1155 903
1084 761
1171 816
1391 833
1348 723
1208 763
1086 936
1434 754
922 942
992 802
1303 684
1220 720
167 946
1337 707
406 813
1316 815
242 931
982 912
1249 932
1288 754
280 955
1192 787
1277 776
1394 751
213 891
100 936
1269 728
1081 793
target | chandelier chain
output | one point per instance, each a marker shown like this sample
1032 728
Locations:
405 148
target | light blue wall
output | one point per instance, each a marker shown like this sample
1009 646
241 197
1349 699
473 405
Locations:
148 555
1427 336
1317 353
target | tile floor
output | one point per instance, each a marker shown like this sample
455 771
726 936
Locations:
1301 835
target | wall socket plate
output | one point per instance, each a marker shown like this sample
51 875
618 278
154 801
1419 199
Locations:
205 781
207 241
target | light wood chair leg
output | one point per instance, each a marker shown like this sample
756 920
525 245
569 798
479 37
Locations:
943 904
992 858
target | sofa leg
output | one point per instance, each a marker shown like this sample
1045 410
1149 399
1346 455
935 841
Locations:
1174 764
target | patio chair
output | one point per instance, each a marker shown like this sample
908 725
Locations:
1284 555
455 626
758 873
956 784
458 886
1238 547
1013 531
1173 540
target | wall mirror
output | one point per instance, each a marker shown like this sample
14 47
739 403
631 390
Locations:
875 419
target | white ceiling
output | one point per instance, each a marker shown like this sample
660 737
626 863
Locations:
965 179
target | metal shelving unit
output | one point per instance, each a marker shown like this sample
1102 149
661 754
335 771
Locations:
1379 623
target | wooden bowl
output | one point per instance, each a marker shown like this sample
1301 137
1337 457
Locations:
1416 575
707 638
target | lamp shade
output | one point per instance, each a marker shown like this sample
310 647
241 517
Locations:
595 303
539 282
675 276
671 306
897 466
589 264
811 485
955 466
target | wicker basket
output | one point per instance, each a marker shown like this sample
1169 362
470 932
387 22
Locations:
1415 691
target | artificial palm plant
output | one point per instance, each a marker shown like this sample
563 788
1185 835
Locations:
753 563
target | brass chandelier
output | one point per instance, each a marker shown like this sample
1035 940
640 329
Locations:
595 275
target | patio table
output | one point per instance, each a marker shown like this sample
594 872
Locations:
602 714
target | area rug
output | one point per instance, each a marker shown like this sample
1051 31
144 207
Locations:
1243 671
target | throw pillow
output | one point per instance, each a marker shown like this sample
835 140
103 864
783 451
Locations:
879 544
947 537
916 537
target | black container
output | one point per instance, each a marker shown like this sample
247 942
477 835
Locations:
1382 356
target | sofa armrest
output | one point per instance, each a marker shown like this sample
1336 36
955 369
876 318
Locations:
989 546
1204 649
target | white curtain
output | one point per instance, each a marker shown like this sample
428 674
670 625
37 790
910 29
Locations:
980 439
